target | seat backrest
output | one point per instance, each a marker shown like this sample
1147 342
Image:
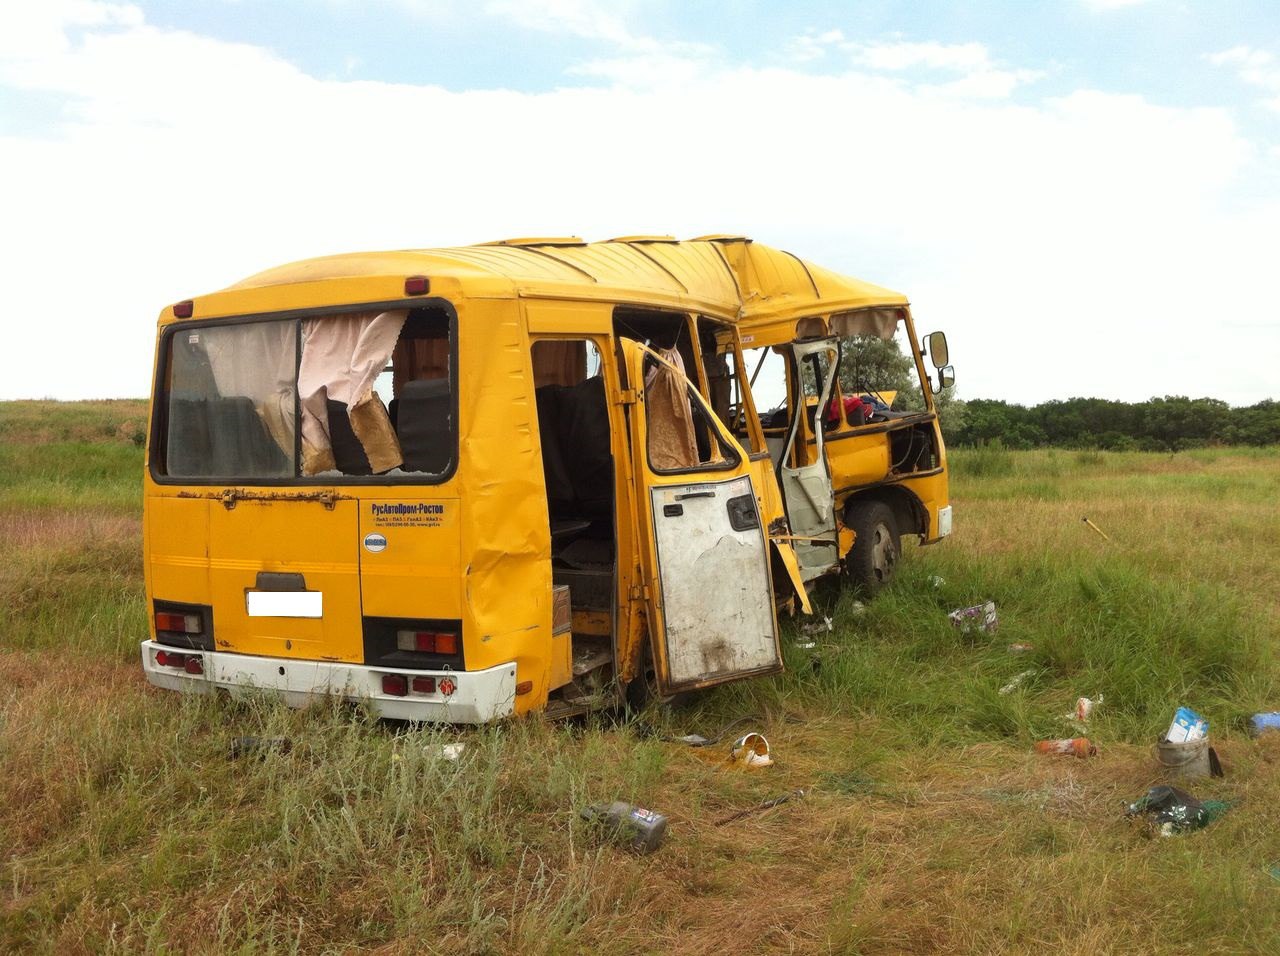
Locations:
423 411
348 452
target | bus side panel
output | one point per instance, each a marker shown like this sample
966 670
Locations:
506 539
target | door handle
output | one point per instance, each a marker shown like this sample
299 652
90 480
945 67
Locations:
685 496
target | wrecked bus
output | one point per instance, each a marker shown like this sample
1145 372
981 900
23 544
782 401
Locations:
565 501
856 474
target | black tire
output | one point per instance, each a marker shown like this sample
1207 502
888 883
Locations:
872 560
643 689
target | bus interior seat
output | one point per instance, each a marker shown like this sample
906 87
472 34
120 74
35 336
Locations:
221 436
421 421
348 454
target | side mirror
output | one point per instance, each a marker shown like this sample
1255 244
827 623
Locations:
946 378
936 344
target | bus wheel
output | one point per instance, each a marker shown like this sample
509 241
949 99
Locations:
643 689
873 558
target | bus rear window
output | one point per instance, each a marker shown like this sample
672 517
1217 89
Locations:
329 397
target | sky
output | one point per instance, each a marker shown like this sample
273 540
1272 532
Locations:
1084 194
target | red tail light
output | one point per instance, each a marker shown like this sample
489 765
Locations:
417 285
424 685
397 685
183 310
162 658
427 642
194 665
181 623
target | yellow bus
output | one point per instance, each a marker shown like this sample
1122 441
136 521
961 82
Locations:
856 474
465 483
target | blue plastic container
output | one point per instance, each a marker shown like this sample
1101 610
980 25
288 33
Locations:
1264 722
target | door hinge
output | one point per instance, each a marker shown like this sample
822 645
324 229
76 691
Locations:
639 591
627 396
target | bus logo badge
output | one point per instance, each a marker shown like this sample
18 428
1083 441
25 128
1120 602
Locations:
374 542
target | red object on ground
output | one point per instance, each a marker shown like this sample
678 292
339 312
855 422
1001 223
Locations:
1074 747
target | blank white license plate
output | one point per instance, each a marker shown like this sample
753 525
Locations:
286 603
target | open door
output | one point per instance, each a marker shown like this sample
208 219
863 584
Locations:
802 467
705 558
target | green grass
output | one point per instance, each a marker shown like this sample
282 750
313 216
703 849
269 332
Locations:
930 825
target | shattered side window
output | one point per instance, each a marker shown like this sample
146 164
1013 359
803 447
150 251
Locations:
231 399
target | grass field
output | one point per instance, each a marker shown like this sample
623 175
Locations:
930 825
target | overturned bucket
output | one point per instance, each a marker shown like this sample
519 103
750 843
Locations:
1185 760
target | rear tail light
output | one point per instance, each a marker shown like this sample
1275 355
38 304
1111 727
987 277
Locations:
424 685
397 685
180 623
417 285
191 663
427 642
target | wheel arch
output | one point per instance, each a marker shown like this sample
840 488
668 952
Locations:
908 510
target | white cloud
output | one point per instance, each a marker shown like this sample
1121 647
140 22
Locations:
1076 245
1259 68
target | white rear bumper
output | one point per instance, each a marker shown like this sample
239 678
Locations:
481 696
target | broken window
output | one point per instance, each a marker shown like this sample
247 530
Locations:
287 398
682 434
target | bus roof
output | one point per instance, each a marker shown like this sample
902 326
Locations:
731 276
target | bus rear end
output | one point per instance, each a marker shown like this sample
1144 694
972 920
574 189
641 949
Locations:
303 526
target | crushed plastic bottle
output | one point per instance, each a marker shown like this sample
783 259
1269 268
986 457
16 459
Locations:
1074 747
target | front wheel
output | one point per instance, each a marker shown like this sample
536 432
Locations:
873 558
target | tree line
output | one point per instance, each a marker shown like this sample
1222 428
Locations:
1171 423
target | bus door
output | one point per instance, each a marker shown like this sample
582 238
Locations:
705 563
802 469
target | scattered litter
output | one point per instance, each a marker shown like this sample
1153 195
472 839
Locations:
806 645
1095 528
259 746
693 740
1190 758
821 626
751 750
1175 811
1259 724
857 608
1187 726
980 617
635 827
1084 707
449 752
1021 648
1074 747
1018 681
765 805
937 580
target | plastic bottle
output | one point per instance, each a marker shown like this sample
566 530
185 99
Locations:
640 829
1074 746
1261 723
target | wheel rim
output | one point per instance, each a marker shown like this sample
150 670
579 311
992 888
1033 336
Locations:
884 553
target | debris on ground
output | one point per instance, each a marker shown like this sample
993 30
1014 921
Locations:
1096 528
937 580
1175 811
798 794
751 750
980 617
450 752
857 608
1187 726
1021 648
1259 724
1018 681
259 746
821 626
1084 708
1073 746
635 827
